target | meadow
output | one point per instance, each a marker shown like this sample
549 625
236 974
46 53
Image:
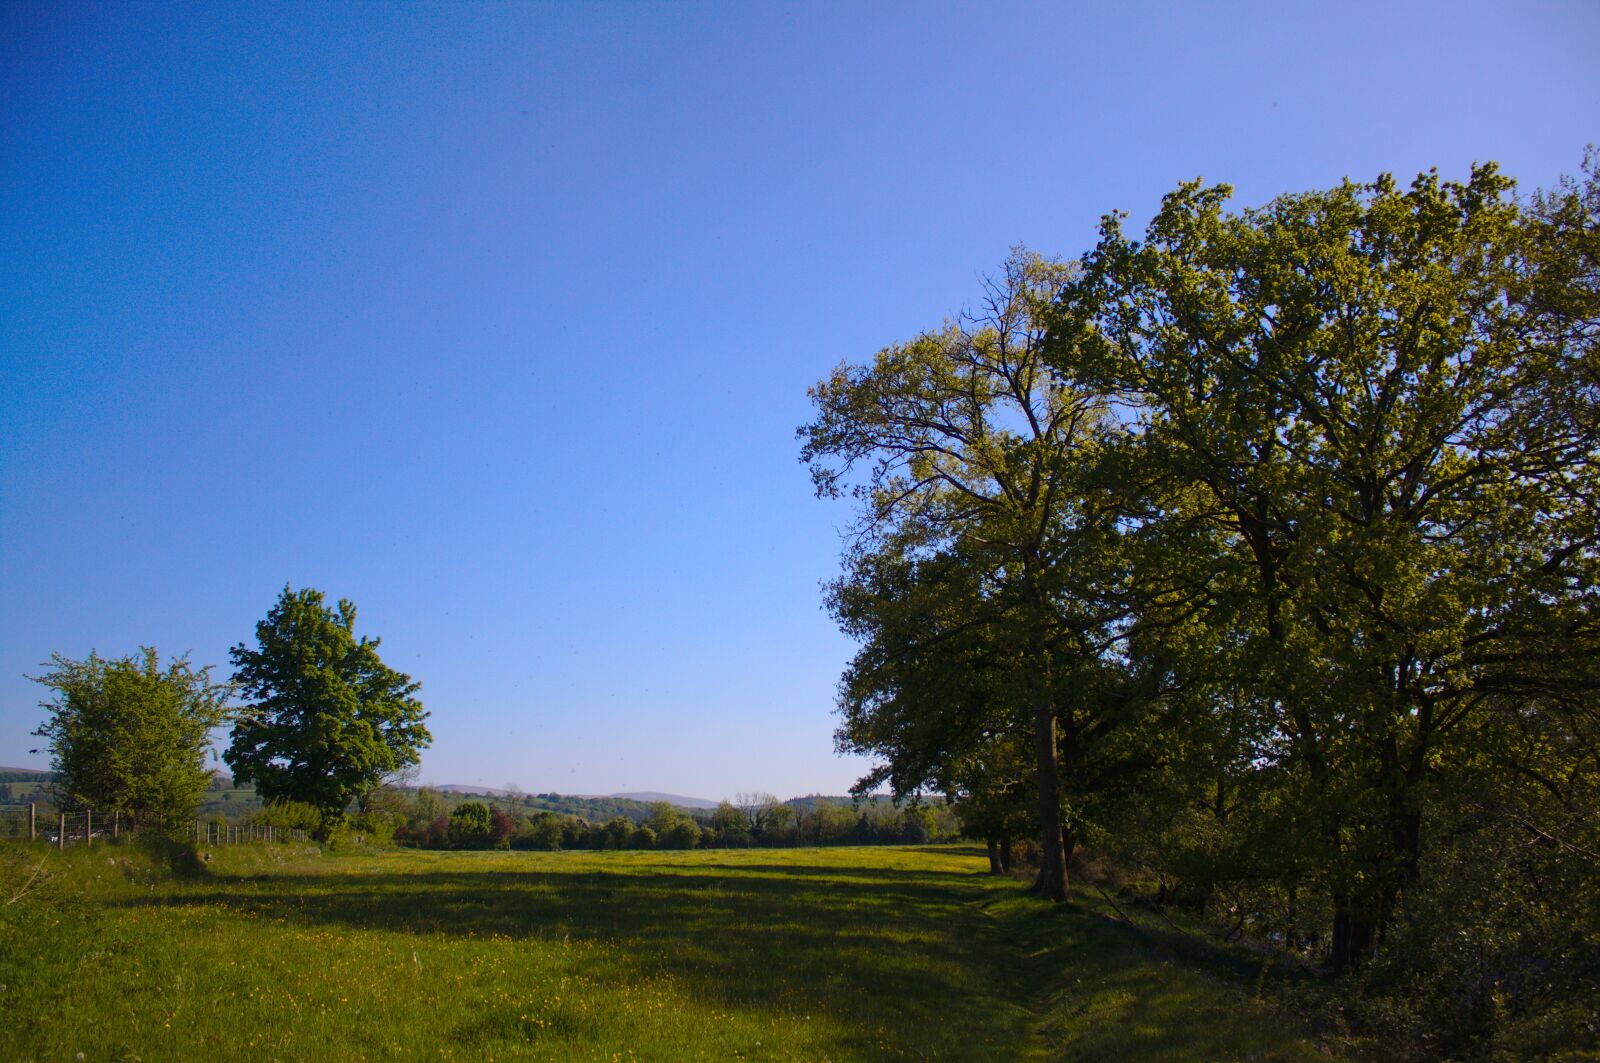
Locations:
283 952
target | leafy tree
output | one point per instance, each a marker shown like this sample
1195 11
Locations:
731 824
661 815
544 832
129 735
471 825
427 804
682 834
328 720
501 827
974 456
616 832
778 825
1364 402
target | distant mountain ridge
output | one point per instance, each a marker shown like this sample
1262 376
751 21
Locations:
642 796
672 799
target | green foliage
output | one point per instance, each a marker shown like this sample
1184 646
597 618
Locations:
731 825
544 832
682 834
1307 623
616 832
128 735
983 581
328 720
469 826
290 815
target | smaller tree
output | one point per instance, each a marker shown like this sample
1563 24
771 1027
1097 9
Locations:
501 827
471 825
732 826
328 720
683 834
127 735
544 832
616 832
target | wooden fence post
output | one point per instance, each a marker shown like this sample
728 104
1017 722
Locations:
61 835
88 828
33 826
116 824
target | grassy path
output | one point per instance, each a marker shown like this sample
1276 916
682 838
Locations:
832 954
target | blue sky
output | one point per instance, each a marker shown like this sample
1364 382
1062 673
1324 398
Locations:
498 319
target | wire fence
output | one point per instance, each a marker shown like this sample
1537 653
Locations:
40 823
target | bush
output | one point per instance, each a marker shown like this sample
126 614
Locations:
501 828
642 838
543 832
470 825
616 832
683 834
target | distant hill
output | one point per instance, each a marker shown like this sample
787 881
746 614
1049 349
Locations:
672 799
643 797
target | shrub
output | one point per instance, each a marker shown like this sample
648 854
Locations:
470 825
683 834
501 828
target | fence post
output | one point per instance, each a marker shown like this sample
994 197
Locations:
33 827
61 835
116 825
88 829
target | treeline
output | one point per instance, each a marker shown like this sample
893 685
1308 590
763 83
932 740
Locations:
1260 554
429 819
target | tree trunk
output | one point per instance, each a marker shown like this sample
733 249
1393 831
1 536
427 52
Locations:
994 857
1355 928
1005 851
1052 881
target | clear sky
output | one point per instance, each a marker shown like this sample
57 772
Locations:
498 319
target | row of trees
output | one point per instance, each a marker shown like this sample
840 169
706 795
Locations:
1261 550
323 723
763 822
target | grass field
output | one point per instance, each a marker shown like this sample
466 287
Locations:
271 952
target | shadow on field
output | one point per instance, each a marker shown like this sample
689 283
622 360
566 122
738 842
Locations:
1104 988
866 946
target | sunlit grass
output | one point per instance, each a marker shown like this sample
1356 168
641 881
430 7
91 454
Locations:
871 953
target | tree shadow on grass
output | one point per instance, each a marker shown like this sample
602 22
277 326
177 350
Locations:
872 947
1110 989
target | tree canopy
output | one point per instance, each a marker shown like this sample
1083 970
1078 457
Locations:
981 551
1278 532
129 735
326 719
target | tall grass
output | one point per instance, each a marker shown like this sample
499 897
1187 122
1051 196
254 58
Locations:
277 952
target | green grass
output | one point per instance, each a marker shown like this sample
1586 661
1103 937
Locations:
271 952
